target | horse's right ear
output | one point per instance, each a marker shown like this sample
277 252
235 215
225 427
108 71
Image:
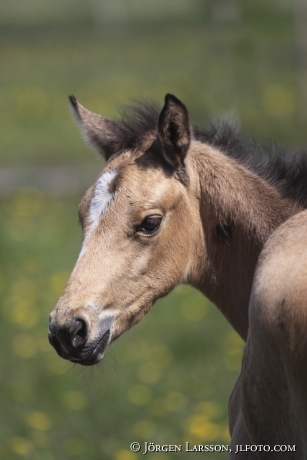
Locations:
174 130
97 131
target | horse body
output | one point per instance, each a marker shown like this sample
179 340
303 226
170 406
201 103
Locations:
169 207
274 375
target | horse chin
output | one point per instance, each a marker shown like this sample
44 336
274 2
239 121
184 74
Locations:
95 351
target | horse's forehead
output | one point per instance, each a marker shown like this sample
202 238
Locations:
148 184
127 175
104 190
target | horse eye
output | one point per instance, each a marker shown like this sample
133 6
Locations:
150 225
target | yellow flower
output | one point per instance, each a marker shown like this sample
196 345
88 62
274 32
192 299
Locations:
125 455
233 345
39 421
24 314
21 446
202 428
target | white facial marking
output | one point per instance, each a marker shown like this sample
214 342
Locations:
102 196
100 202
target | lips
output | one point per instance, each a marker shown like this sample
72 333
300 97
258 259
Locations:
76 342
96 351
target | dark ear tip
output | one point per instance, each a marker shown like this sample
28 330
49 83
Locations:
73 101
171 98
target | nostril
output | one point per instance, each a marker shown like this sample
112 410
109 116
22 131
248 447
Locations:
69 339
80 332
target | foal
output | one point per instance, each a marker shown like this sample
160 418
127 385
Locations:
175 204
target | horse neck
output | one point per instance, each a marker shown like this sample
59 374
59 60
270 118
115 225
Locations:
238 212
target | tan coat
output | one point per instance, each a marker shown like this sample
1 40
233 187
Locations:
169 208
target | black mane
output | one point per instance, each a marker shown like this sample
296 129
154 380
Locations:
137 121
283 169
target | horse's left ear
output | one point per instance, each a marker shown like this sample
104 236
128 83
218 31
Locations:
174 130
98 131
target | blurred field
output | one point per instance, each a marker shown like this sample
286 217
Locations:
240 66
167 381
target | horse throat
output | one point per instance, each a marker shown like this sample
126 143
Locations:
238 211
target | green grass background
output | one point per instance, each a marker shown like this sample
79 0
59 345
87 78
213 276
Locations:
167 380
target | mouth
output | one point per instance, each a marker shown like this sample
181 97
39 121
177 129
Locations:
74 342
95 352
